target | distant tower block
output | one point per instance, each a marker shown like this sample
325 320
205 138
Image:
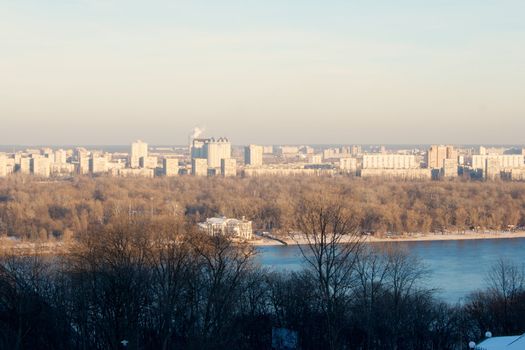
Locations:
170 166
139 149
228 167
253 155
199 167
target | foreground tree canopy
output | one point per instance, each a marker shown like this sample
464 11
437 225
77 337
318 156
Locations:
32 209
154 284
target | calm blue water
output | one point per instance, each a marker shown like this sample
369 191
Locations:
457 267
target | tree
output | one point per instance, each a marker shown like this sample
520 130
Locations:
331 251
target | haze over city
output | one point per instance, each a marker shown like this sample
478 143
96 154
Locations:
272 72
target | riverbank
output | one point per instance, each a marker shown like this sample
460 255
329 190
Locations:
467 235
8 246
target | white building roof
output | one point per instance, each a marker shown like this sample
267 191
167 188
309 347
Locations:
515 342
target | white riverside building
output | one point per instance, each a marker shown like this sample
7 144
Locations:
222 226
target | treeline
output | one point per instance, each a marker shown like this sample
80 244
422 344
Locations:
31 209
154 284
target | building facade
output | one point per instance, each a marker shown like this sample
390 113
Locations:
253 155
389 161
139 149
170 166
199 167
222 226
436 154
228 167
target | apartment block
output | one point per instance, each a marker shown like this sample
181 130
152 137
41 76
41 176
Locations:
3 165
436 155
389 161
40 166
139 149
228 167
199 167
253 155
170 166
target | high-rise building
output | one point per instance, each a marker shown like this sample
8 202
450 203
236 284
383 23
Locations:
504 161
60 156
286 151
49 154
40 166
83 165
139 149
436 154
449 168
215 150
315 158
267 149
98 164
3 165
253 155
389 161
348 164
306 149
197 148
228 167
492 168
199 167
170 166
25 165
148 162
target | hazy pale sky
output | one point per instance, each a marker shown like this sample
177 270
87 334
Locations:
265 71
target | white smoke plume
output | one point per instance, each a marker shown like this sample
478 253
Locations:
197 132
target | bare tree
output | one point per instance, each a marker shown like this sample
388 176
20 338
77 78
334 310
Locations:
332 245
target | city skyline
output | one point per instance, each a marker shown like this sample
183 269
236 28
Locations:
105 72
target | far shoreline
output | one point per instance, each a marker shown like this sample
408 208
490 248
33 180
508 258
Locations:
430 237
63 248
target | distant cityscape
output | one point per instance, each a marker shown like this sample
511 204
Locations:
210 156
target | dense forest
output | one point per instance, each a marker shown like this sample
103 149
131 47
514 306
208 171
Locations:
32 209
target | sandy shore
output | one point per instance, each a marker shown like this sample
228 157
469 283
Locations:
53 248
469 235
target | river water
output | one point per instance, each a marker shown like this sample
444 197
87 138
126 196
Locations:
457 268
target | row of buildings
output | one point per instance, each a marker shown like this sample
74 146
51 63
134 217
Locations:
217 157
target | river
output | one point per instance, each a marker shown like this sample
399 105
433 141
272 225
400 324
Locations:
457 268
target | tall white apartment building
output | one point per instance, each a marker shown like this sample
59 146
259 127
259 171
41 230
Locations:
3 165
437 153
83 165
504 161
449 168
389 161
60 156
148 162
25 165
228 167
348 164
98 164
286 151
139 149
253 155
199 167
217 149
315 158
40 166
170 166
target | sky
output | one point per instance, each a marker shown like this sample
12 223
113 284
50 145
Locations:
106 72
